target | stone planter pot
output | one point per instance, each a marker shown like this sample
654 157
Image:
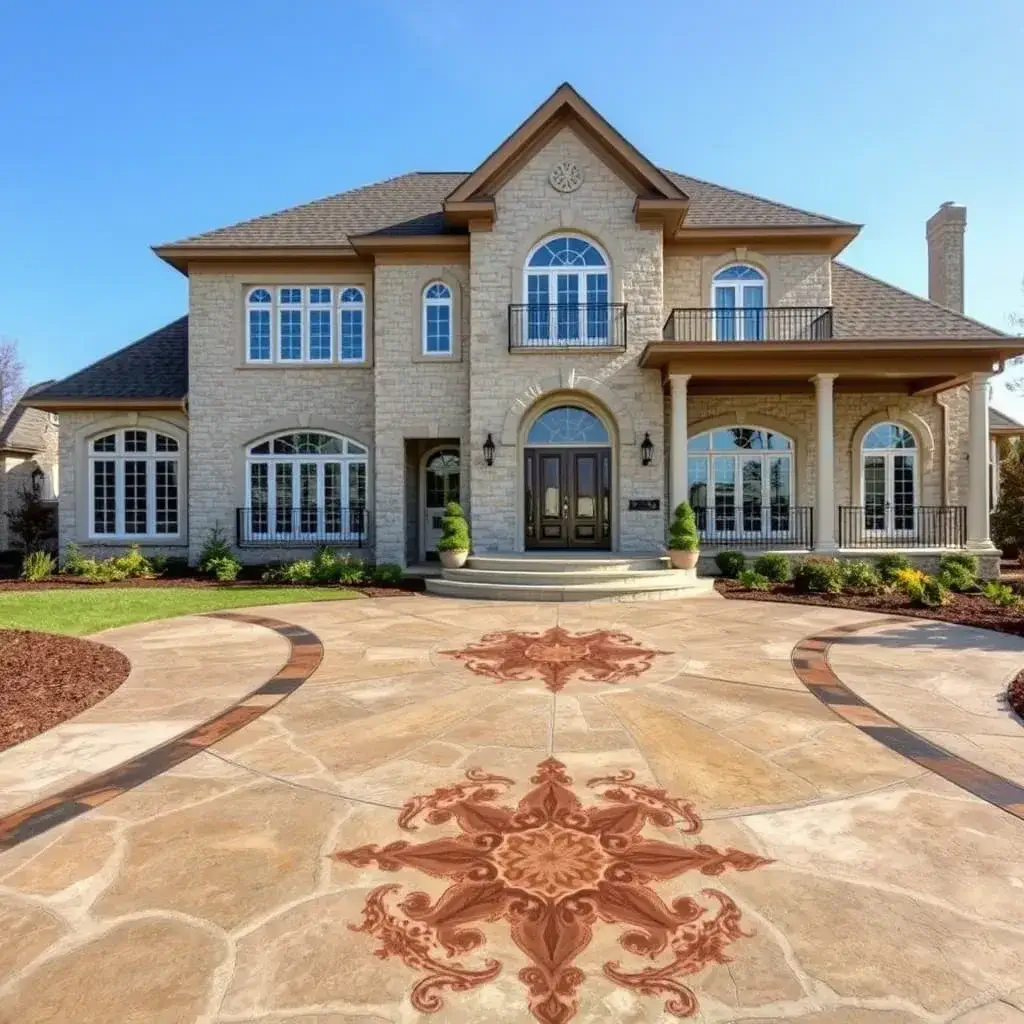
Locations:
683 559
453 559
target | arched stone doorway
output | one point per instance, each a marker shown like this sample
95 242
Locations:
567 465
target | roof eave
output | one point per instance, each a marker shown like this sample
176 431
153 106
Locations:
59 404
839 235
179 256
366 244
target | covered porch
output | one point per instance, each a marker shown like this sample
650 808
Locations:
833 446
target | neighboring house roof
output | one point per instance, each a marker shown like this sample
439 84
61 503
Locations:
22 427
411 204
151 369
865 307
1000 421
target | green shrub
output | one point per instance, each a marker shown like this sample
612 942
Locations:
74 561
889 565
961 558
351 570
274 574
751 579
1001 594
862 576
214 549
818 576
774 567
224 569
933 593
299 571
107 571
682 533
387 574
731 563
158 564
133 564
326 566
38 565
454 529
959 578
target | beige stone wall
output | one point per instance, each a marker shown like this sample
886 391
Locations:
76 428
16 476
503 385
416 396
232 404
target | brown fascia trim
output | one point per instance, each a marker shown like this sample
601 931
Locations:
837 237
57 404
179 256
363 244
478 211
669 212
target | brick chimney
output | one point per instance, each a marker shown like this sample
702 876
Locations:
945 231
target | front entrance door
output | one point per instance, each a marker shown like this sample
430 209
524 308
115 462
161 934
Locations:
440 485
568 497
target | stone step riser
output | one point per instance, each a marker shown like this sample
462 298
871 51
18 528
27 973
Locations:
590 592
507 563
566 578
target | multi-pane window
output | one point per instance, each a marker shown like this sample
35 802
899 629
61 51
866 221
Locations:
741 480
738 295
437 320
889 478
303 324
134 482
567 293
306 485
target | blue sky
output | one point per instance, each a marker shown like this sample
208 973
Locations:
129 124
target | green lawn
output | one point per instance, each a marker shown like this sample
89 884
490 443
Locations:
87 610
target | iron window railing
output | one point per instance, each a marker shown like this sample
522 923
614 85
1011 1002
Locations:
566 325
304 525
767 323
727 525
902 526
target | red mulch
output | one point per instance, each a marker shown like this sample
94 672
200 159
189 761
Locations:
963 609
45 679
1015 695
403 589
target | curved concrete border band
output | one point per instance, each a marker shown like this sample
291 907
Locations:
305 656
811 664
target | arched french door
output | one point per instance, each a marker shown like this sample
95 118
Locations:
441 483
567 462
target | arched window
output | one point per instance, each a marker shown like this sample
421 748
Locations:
567 290
437 319
352 320
258 334
134 484
738 296
306 486
741 480
569 425
889 478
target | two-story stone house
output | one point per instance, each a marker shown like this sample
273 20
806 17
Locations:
570 340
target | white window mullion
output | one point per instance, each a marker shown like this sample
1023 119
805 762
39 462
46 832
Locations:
119 497
320 500
151 489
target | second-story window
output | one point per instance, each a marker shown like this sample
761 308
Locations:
567 291
437 319
297 324
738 297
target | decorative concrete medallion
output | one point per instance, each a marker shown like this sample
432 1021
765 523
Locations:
566 176
552 869
555 656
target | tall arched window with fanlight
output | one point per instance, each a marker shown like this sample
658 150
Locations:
738 295
437 319
567 287
889 479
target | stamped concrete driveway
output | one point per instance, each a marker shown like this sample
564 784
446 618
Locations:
702 810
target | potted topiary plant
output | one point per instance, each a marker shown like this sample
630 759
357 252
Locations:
683 540
453 547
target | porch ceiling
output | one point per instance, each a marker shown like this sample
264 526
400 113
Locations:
915 367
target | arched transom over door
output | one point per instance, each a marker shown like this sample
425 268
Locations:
567 462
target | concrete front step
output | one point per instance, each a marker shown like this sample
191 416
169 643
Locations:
563 577
564 561
670 583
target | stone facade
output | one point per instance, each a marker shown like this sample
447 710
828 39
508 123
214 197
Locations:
16 476
945 234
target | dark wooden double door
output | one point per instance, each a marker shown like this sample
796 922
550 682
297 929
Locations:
568 498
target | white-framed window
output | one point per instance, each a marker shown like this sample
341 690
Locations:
738 295
352 320
567 288
306 486
437 319
134 485
889 479
741 480
305 324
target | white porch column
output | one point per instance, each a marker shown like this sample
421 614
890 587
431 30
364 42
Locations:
994 468
977 465
679 489
825 498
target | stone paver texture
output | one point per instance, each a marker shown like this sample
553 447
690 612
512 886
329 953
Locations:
514 812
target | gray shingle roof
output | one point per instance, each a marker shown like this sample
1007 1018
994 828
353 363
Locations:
23 427
154 367
411 205
865 307
1000 420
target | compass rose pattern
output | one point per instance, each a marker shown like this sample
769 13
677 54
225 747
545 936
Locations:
552 869
556 656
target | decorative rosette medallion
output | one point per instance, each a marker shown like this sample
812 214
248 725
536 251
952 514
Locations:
566 176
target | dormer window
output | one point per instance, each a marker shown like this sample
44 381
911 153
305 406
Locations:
738 297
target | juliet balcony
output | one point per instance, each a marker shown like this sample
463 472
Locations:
761 323
536 327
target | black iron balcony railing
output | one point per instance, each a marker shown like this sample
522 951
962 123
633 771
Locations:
902 526
305 525
750 526
566 325
768 323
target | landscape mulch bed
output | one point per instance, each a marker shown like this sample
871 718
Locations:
46 679
404 589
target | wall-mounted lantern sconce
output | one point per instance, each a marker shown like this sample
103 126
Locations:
647 450
489 450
